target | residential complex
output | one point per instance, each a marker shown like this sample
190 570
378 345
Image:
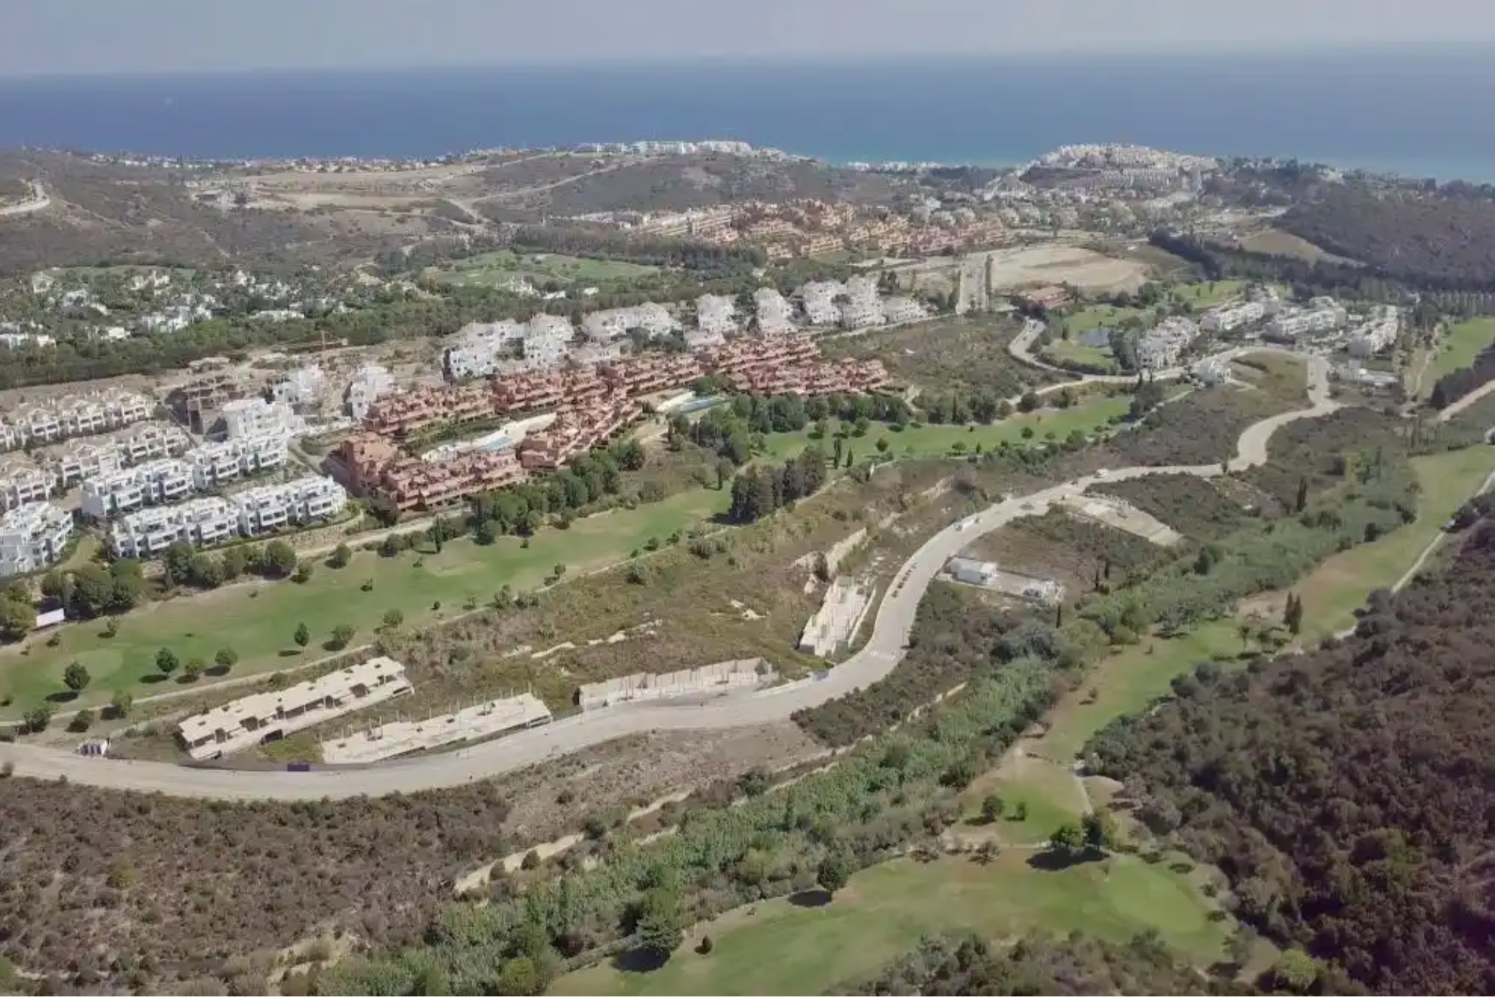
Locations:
399 415
214 464
577 431
269 508
548 338
376 466
157 482
370 382
303 387
1163 346
1376 333
773 313
269 716
820 301
69 416
21 485
1322 315
716 315
862 306
480 348
258 417
1227 318
614 323
90 458
32 537
201 522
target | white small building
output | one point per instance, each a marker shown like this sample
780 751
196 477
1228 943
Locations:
201 522
156 482
303 387
479 348
83 459
863 307
1376 333
1227 318
32 537
1163 346
819 301
899 308
1212 371
273 507
370 382
972 572
258 417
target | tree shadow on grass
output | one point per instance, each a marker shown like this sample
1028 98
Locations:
810 899
217 671
1050 861
62 696
638 960
153 678
288 652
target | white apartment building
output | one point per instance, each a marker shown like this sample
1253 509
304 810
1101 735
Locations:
1306 321
613 323
305 386
899 308
59 419
24 485
1163 346
1227 318
32 537
273 507
548 339
1376 333
863 307
157 482
201 522
818 301
213 464
370 382
87 460
773 313
480 347
258 417
716 314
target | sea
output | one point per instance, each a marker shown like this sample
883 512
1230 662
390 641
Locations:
1416 112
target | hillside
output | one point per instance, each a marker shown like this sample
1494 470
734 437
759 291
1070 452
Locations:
1347 793
1404 236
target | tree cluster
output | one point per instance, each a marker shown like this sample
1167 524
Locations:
759 492
1451 387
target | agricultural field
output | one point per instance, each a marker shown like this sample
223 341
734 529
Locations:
495 269
951 353
1457 349
792 945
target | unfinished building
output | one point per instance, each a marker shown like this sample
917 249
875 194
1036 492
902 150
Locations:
271 716
724 676
405 737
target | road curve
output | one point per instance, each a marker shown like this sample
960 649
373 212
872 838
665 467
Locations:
40 200
893 621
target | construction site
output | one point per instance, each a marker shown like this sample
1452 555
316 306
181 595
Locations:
405 737
709 680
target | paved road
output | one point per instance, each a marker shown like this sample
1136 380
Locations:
893 620
40 200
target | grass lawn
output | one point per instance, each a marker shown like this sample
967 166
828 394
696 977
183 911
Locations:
1050 794
257 620
1130 679
1095 316
1204 294
1457 350
931 439
784 948
1197 295
495 268
1097 357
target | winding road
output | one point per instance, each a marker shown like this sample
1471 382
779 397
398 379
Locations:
39 201
893 621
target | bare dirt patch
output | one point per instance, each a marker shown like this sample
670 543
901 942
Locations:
1056 264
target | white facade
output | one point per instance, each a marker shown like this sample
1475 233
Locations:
1227 318
1376 333
87 460
212 464
548 339
258 417
899 308
773 313
480 347
818 301
304 386
1162 347
716 314
370 382
274 507
70 416
156 482
23 486
1304 321
200 522
33 537
863 307
613 323
972 572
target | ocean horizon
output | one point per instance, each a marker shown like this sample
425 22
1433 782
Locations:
1426 113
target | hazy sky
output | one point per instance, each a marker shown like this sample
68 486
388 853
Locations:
80 36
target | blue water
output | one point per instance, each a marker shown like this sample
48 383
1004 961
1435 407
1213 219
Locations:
1423 113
